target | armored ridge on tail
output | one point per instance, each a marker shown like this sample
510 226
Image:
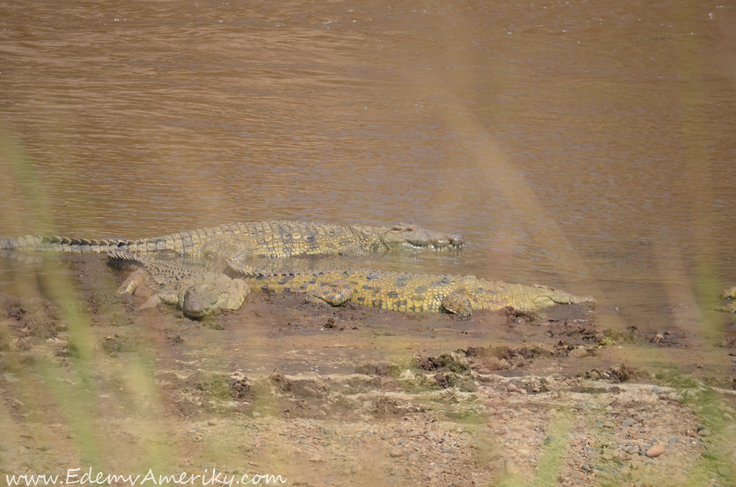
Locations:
274 239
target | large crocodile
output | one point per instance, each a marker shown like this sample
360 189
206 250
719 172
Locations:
387 290
274 239
195 290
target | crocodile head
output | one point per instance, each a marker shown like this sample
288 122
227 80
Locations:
546 296
418 237
210 297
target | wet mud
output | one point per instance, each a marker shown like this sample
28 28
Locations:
354 395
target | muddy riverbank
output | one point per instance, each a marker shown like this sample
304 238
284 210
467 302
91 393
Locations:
353 395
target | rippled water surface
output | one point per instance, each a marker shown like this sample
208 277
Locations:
585 144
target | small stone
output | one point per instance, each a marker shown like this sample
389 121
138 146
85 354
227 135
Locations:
315 459
673 440
45 447
510 467
395 452
655 451
55 425
704 432
212 422
723 471
629 422
578 352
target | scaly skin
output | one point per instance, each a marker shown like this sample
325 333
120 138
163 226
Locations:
196 291
729 294
275 239
462 295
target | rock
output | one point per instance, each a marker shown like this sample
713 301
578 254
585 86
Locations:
723 471
55 425
704 432
510 467
212 422
395 452
45 447
673 440
629 422
578 352
315 459
655 451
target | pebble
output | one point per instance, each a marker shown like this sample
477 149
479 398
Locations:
315 459
629 422
510 467
674 439
212 422
655 451
704 432
55 425
395 452
578 352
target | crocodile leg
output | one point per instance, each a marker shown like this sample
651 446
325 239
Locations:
458 303
166 297
335 294
729 308
132 282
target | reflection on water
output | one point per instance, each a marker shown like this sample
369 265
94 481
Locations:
574 144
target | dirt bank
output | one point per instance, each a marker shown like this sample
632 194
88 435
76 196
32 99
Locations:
352 395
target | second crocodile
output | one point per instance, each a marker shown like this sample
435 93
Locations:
461 295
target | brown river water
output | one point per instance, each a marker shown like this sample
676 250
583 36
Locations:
588 145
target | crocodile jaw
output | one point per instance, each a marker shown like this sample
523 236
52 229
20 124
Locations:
200 300
418 237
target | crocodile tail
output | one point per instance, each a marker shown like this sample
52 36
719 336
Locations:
124 260
73 245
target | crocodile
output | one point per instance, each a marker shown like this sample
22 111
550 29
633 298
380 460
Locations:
198 292
730 295
410 292
272 239
195 290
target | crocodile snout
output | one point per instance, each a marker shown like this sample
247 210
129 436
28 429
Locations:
197 302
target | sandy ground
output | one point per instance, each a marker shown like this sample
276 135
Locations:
352 396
